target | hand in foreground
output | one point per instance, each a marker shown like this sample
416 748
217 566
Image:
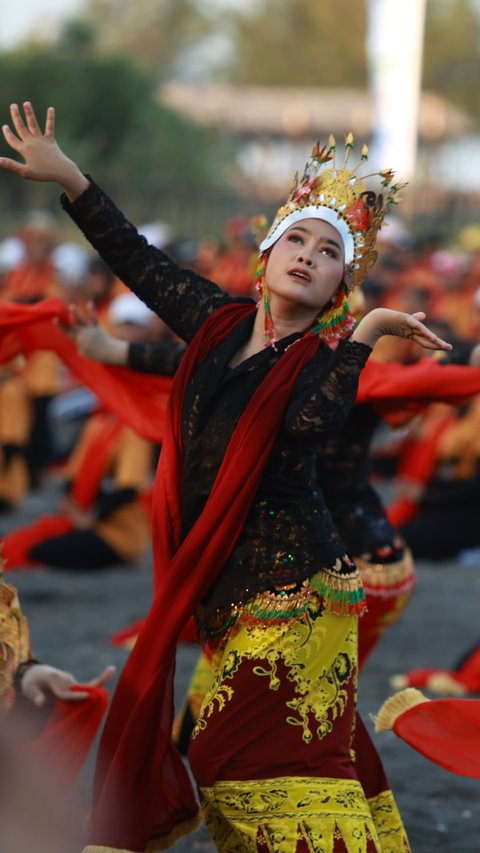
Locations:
44 159
41 683
93 341
383 321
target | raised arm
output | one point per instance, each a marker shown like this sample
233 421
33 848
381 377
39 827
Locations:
323 405
94 341
384 321
181 297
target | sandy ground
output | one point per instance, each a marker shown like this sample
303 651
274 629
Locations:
72 615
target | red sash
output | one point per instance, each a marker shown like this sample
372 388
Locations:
142 789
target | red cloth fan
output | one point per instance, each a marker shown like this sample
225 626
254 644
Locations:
446 731
70 730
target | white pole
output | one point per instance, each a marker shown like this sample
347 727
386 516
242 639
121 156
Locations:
395 34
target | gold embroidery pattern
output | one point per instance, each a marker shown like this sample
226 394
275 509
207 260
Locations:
387 579
320 655
391 832
337 589
14 643
274 814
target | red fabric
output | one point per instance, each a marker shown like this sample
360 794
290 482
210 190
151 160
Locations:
401 511
139 401
243 742
142 789
367 762
14 316
469 672
446 731
96 458
467 675
18 544
69 733
126 637
380 614
30 282
419 677
400 391
417 464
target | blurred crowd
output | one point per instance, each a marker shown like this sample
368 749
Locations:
50 425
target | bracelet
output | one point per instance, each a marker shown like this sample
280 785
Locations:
22 668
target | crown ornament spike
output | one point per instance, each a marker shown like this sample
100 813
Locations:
294 186
363 158
387 176
332 145
349 140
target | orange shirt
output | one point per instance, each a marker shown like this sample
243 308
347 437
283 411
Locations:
26 283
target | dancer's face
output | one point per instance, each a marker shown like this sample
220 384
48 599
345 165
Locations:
306 264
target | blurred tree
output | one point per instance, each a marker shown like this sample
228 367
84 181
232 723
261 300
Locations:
157 33
306 42
300 43
109 122
452 52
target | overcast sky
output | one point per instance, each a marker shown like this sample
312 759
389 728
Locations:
22 17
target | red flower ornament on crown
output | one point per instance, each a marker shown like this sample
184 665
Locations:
304 192
358 216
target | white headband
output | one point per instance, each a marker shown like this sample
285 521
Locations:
317 211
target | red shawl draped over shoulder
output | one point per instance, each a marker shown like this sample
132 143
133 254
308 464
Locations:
143 798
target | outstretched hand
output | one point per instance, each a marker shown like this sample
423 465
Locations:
93 341
384 321
42 682
43 158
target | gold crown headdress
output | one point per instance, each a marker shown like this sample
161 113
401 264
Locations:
338 196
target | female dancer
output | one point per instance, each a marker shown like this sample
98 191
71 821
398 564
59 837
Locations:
242 536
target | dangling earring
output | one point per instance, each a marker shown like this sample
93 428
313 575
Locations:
269 335
335 321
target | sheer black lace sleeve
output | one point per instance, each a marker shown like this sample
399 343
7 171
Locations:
159 358
182 298
325 400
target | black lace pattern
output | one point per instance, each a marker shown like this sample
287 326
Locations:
343 468
289 533
158 358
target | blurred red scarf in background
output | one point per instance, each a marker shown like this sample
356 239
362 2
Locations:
139 401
